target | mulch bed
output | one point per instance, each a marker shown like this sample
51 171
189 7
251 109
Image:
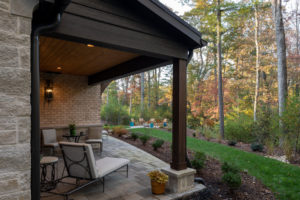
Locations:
250 189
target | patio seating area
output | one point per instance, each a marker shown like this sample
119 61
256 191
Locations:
117 185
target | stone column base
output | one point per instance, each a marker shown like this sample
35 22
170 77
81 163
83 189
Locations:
180 181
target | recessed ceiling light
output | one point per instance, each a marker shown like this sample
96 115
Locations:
90 45
59 68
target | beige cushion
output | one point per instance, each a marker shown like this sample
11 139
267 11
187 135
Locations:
49 136
100 168
107 165
75 151
94 141
54 145
95 133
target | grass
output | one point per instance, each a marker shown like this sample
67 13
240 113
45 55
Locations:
283 179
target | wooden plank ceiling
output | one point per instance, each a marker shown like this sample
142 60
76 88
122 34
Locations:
68 57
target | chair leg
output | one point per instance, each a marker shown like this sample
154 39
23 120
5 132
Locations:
127 170
103 183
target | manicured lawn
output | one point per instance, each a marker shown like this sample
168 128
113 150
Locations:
283 179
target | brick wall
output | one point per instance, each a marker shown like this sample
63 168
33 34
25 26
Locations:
14 104
74 101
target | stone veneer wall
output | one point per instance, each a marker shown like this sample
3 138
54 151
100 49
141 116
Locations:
74 101
15 106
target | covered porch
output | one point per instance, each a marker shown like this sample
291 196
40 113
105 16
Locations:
79 46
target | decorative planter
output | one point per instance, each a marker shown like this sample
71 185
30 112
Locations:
73 132
158 188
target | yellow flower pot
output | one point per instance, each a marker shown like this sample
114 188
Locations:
158 188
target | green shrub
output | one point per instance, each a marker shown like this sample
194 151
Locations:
115 113
231 176
262 127
144 139
134 136
239 128
256 146
194 134
291 121
232 180
198 161
229 168
231 143
119 131
157 144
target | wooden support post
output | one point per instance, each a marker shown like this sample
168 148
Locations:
179 115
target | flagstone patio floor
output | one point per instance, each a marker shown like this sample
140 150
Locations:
117 185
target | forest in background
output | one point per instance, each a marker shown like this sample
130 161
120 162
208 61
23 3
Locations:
242 52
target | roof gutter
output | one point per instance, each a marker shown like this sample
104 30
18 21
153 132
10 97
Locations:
40 23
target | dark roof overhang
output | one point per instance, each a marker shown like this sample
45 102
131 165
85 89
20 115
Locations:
175 21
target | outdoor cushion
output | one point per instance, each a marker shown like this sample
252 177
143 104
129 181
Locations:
75 152
107 165
94 141
49 136
95 133
51 145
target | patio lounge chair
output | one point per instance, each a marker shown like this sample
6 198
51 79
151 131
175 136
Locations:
49 139
95 137
80 164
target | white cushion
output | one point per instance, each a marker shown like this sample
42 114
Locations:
75 151
107 165
51 145
49 136
95 133
94 141
100 168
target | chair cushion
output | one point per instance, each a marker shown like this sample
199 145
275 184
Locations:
94 141
107 165
75 152
49 136
54 145
95 133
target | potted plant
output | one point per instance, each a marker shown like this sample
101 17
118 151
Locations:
72 128
158 181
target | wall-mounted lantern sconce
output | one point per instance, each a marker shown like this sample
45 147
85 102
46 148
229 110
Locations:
49 90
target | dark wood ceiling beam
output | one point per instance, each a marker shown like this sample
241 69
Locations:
85 30
134 66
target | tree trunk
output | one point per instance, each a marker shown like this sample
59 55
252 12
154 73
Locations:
126 91
149 88
142 92
157 86
297 48
220 89
281 55
216 75
257 61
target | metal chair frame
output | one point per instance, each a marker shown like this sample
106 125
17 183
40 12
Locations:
79 163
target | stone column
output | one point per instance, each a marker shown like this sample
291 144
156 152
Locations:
15 100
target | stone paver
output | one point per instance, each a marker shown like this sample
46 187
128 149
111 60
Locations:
117 186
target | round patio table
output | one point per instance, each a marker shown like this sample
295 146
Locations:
48 178
73 138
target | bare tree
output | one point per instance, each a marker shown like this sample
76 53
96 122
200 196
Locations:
257 60
149 88
281 55
142 91
220 80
